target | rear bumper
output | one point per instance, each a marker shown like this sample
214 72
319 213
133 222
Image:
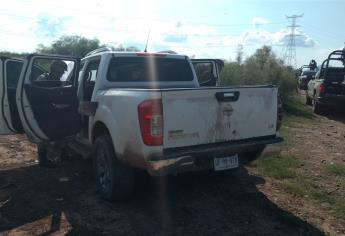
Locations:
332 99
177 160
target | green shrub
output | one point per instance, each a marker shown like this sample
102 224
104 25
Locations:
261 68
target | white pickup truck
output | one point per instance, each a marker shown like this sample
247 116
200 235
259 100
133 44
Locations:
136 111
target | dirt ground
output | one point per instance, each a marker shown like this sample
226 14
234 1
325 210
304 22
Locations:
64 201
316 146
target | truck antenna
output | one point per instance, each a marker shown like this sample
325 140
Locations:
147 40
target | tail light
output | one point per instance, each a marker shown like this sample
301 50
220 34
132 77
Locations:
150 114
322 88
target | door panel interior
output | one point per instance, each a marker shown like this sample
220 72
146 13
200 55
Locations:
13 69
55 110
50 104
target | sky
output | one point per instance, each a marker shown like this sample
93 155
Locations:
199 29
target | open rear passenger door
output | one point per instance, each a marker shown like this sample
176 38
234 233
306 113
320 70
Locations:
9 118
208 71
47 97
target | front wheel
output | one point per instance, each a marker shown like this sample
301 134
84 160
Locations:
115 180
48 157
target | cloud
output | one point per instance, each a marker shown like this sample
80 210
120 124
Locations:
179 24
278 38
175 38
117 23
49 26
301 39
305 41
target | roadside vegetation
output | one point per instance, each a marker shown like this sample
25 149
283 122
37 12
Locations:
285 169
72 45
263 67
282 169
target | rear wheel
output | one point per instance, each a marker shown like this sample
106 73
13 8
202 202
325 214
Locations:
308 100
253 155
115 180
317 107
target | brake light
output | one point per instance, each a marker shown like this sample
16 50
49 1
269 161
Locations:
322 88
146 54
150 114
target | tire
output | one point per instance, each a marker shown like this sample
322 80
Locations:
317 109
253 155
115 180
42 156
308 100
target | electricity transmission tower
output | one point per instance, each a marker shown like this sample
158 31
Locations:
290 53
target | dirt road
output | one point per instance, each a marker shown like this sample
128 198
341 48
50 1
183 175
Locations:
319 149
59 201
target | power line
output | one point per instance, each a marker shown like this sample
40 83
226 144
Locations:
290 53
138 18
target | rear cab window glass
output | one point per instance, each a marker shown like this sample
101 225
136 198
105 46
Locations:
147 69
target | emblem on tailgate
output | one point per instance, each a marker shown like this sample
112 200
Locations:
179 134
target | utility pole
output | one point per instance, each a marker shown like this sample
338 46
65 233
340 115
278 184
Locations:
290 53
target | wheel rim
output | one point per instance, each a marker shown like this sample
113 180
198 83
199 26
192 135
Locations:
103 172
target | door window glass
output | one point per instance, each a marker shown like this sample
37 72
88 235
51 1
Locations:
91 70
203 71
90 76
48 69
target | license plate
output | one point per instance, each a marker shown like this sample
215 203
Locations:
225 163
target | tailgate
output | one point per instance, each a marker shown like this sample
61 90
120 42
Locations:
213 115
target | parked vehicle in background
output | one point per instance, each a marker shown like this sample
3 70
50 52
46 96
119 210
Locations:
140 111
327 90
306 73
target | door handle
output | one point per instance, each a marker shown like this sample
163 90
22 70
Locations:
227 96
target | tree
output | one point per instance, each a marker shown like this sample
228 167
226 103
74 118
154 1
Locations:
263 67
13 54
79 46
239 54
70 45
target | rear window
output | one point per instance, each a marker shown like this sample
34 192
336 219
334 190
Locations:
335 74
308 72
146 69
